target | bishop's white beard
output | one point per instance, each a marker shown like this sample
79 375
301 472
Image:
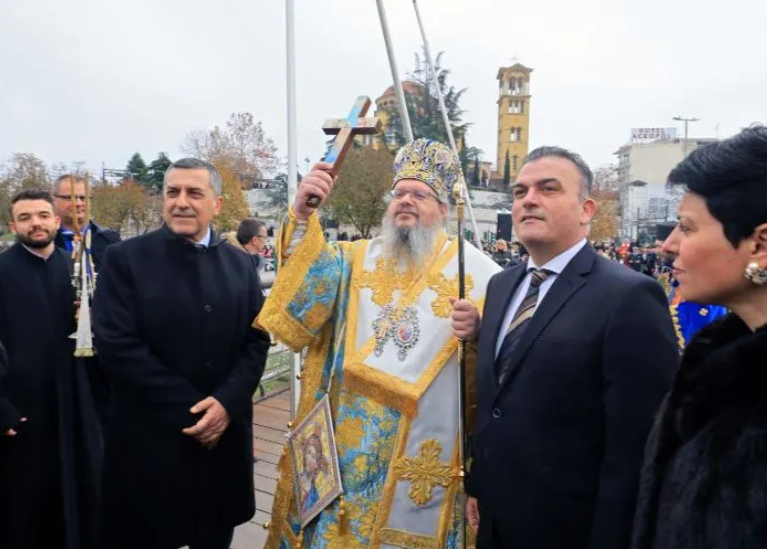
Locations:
408 246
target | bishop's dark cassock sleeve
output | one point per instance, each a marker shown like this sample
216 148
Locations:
124 355
8 414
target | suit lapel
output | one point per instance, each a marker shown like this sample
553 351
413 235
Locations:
565 286
510 281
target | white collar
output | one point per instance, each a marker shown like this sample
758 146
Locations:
34 252
205 239
557 264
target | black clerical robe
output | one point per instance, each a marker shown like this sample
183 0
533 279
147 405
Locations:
49 471
173 326
8 414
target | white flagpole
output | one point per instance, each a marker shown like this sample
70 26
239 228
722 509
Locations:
446 120
406 127
295 387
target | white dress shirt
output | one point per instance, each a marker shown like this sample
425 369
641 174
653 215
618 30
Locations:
205 239
556 266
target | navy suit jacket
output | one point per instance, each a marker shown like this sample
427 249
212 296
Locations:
558 447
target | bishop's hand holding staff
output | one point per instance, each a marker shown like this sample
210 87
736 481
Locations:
394 365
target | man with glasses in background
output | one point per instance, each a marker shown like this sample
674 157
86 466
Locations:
101 237
96 239
251 236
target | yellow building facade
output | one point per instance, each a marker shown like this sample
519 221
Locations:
513 117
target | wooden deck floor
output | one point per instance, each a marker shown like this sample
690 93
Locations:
270 419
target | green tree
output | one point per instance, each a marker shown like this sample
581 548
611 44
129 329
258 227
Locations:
157 170
359 195
137 168
21 171
463 157
507 170
475 180
423 105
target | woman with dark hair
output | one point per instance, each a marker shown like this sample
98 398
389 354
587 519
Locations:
704 480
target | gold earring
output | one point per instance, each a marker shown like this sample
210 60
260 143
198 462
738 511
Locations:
756 274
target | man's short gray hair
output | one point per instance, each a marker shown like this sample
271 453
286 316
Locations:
66 177
196 164
587 176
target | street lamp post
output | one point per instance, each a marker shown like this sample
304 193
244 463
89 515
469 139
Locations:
686 123
686 127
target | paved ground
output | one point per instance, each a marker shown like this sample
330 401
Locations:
270 418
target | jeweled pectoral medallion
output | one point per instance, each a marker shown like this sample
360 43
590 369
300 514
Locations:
382 328
403 329
406 332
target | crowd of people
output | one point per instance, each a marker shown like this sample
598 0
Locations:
597 417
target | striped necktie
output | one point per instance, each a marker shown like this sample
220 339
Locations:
520 322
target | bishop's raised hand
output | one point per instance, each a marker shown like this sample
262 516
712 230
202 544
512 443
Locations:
317 183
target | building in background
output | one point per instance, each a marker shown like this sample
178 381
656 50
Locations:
643 168
513 118
385 104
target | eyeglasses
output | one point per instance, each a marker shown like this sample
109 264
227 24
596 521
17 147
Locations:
80 197
262 236
417 195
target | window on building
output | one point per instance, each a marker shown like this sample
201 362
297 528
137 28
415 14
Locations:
514 163
521 107
515 107
513 135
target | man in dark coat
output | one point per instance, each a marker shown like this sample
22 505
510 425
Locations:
100 239
50 441
173 319
575 354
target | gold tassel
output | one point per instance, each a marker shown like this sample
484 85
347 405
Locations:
343 523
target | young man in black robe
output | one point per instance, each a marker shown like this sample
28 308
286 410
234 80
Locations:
50 447
173 313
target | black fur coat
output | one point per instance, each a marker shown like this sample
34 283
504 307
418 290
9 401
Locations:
704 479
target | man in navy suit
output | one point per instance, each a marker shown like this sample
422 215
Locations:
575 354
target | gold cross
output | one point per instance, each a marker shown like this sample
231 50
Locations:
445 288
425 471
383 281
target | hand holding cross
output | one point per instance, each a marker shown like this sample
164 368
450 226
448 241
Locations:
317 184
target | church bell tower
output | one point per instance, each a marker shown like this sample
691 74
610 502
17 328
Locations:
513 117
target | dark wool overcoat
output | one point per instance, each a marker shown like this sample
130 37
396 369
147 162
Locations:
173 326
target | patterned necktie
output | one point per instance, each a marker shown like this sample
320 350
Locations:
520 322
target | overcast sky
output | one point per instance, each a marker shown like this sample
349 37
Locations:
95 80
